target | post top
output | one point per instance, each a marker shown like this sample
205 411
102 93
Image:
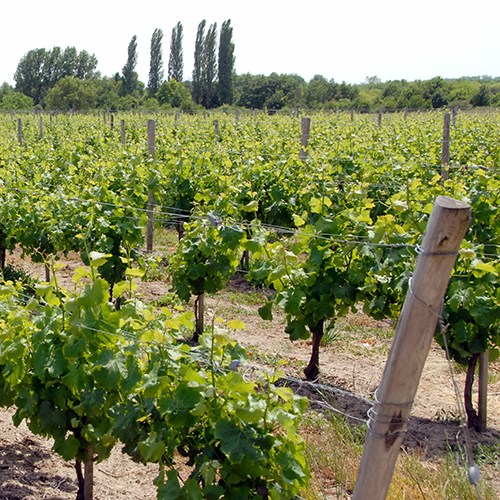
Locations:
447 202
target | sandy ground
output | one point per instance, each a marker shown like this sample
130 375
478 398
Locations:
353 363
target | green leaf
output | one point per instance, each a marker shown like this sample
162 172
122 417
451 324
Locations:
180 406
119 288
97 259
236 442
266 311
236 324
153 448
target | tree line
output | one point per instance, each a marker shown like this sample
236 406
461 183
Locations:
68 79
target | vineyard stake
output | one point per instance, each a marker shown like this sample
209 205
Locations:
20 131
379 118
306 125
445 152
88 488
122 123
216 126
483 390
446 228
41 127
151 151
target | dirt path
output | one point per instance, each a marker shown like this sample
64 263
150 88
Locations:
354 362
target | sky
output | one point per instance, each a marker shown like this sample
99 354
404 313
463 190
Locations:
346 40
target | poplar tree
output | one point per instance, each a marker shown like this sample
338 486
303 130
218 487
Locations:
209 67
226 64
199 58
156 63
130 76
175 62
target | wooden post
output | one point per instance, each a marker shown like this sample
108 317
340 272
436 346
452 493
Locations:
237 116
20 131
306 125
380 118
352 115
104 118
216 125
151 151
51 118
41 127
483 390
122 124
88 488
445 151
414 333
112 121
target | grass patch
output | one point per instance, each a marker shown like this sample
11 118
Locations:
334 452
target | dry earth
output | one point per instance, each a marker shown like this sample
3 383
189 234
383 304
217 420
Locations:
352 364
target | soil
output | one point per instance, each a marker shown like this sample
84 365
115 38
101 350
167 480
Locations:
351 368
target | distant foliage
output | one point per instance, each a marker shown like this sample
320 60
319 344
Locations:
176 61
40 69
156 63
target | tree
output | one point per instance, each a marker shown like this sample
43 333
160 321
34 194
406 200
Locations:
199 63
72 93
4 90
130 76
175 62
40 69
226 64
436 91
210 61
483 96
29 75
175 95
15 100
156 63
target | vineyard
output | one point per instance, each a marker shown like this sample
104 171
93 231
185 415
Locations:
326 216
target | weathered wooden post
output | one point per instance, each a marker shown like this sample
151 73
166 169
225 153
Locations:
151 151
122 124
112 122
445 151
306 126
379 118
446 228
483 391
41 127
20 131
216 127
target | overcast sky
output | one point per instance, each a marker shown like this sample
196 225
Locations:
343 40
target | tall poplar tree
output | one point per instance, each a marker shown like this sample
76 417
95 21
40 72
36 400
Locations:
175 62
226 64
209 67
199 58
156 63
130 76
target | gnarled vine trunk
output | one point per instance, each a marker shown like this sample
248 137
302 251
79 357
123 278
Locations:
472 418
312 369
